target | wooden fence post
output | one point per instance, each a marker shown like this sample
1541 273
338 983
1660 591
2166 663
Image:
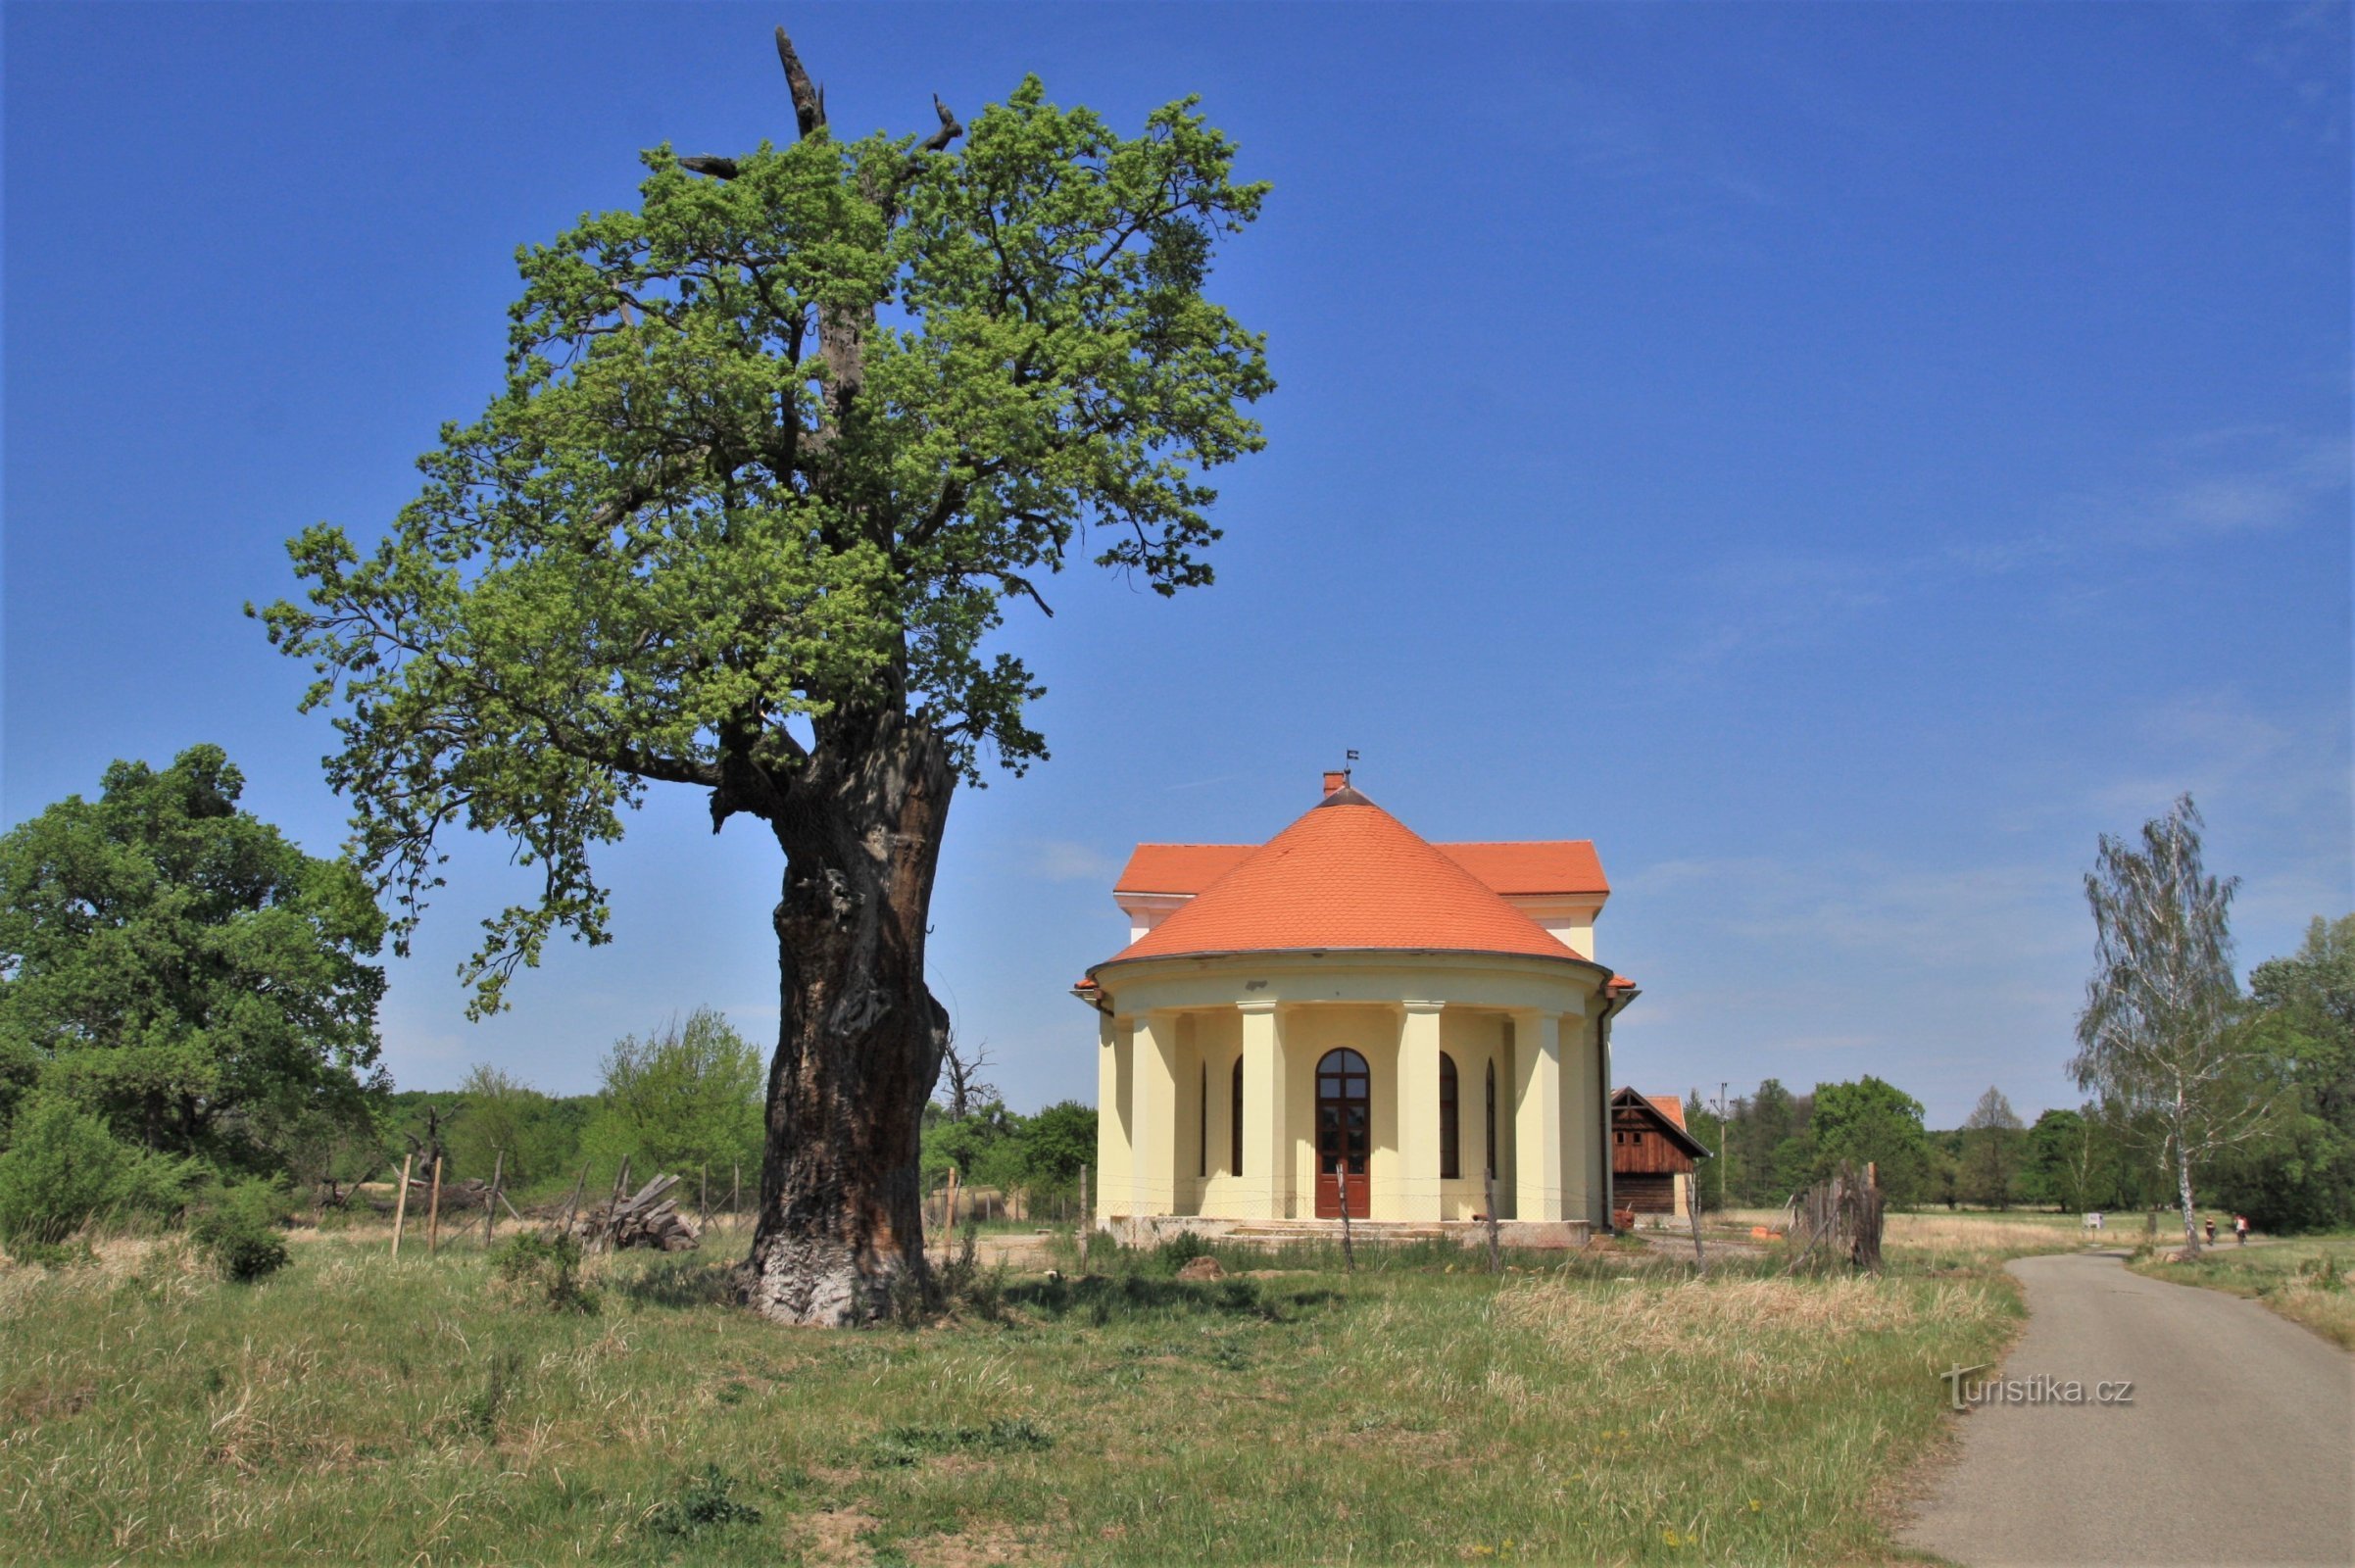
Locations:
572 1208
433 1212
490 1201
1349 1251
400 1205
948 1218
1496 1262
736 1195
1700 1260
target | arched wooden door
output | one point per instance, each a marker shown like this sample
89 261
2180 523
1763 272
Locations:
1345 1132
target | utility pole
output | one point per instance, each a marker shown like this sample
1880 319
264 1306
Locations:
1725 1144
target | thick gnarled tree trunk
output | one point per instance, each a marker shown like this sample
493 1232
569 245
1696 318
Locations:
860 1036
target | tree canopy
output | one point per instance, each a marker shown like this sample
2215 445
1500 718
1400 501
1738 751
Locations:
175 966
679 1099
2155 1040
774 449
1870 1120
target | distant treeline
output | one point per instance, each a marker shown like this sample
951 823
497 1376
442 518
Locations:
2294 1032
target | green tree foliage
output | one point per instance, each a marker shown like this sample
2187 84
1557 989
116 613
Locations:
241 1230
777 448
505 1119
1057 1143
682 1099
62 1168
1768 1155
2301 1025
1991 1150
2156 1041
2054 1164
1039 1156
1708 1175
1869 1120
175 965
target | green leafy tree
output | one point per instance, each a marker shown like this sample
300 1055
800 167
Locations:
1944 1181
1869 1120
510 1129
174 964
776 449
1768 1155
2155 1039
2060 1163
685 1097
62 1168
1708 1175
1056 1144
967 1143
1991 1150
2301 1028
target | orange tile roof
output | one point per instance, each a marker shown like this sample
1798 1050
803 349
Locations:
1668 1105
1539 865
1179 867
1348 875
1544 865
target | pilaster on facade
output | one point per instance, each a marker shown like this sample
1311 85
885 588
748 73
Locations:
1416 1188
1538 1125
1267 1155
1582 1109
1116 1140
1154 1178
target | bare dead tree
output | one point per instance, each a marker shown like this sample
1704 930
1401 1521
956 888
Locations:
967 1091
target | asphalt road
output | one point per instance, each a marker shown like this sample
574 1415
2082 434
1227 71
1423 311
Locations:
2238 1446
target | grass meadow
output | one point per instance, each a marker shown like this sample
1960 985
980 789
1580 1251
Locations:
1416 1410
2307 1279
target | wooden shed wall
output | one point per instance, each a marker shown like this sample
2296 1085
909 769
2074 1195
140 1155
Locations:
1638 1149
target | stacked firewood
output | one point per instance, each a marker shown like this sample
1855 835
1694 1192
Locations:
647 1217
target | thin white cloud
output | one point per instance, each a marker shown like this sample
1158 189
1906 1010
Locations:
1064 860
2227 481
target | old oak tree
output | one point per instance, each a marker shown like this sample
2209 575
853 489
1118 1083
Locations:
775 451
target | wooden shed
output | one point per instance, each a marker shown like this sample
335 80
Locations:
1652 1156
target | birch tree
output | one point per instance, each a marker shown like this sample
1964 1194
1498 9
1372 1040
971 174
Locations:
2154 1041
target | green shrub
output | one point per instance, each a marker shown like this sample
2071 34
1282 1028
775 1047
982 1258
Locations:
542 1271
701 1505
62 1168
2328 1272
1180 1250
905 1445
240 1229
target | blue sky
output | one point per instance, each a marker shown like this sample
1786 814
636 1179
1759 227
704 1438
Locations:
1841 460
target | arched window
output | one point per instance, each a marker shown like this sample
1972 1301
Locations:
1235 1123
1449 1161
1491 1119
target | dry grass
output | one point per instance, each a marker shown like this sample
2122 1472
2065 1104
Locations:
2307 1279
353 1409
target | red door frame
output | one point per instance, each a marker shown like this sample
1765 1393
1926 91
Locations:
1345 1118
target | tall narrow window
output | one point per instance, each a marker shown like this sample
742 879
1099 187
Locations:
1491 1119
1449 1161
1235 1123
1201 1156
